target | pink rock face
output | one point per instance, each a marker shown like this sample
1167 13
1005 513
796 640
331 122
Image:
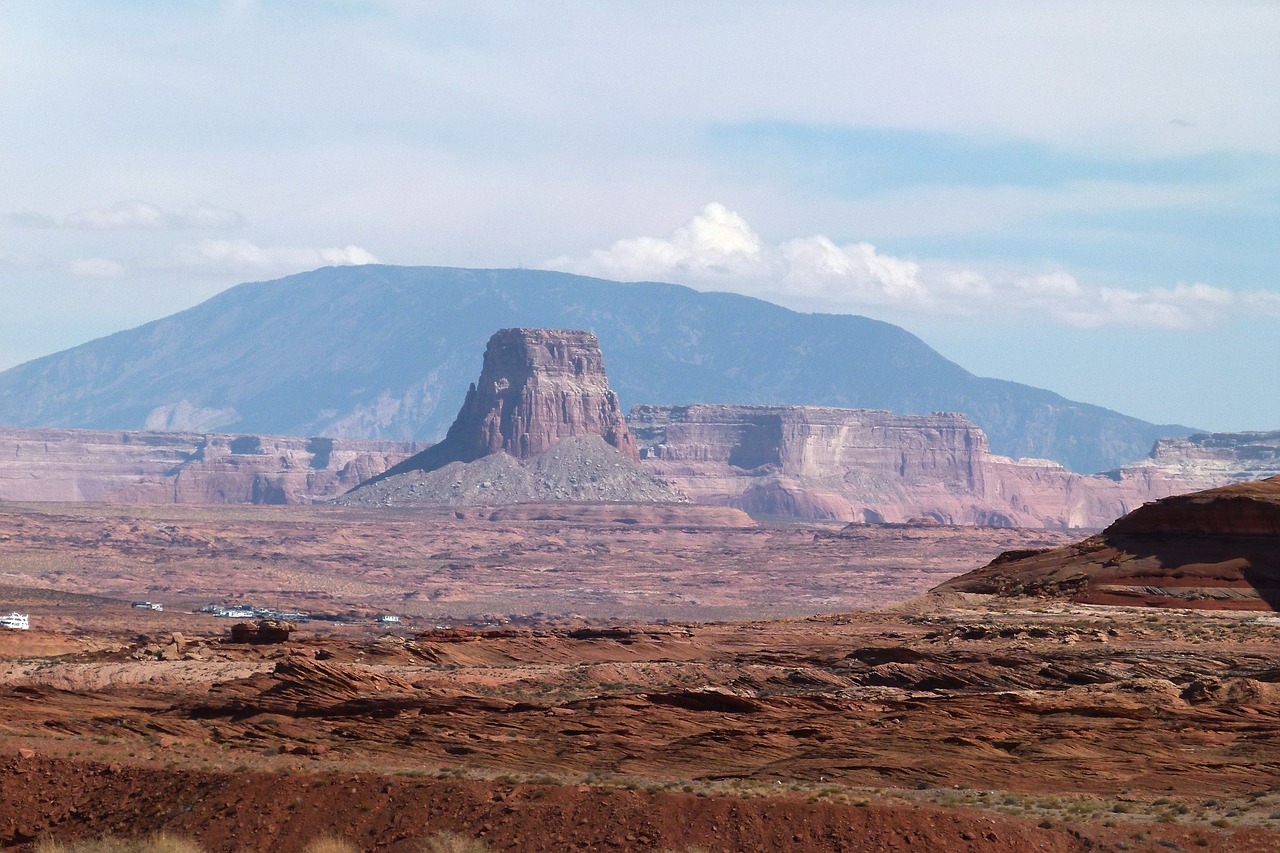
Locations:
537 387
874 466
185 468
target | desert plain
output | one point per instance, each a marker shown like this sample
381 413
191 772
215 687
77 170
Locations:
581 677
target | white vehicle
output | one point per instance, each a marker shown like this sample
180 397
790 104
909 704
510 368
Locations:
16 621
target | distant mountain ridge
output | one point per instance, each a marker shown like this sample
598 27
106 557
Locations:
388 352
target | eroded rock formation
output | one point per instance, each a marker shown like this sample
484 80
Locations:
537 387
1218 548
541 424
874 466
186 468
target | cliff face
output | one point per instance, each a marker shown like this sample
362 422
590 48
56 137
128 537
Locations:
873 466
537 387
1208 460
186 468
1218 549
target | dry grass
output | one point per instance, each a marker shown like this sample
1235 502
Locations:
452 842
330 844
161 842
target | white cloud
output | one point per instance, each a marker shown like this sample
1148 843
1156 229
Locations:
97 268
131 216
718 249
245 257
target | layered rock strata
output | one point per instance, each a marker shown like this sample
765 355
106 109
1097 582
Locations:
873 466
186 468
537 387
1208 460
1218 548
541 424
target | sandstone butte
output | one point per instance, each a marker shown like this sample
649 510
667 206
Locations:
1214 549
860 465
186 468
537 387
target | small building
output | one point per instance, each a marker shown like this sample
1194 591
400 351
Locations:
16 622
389 619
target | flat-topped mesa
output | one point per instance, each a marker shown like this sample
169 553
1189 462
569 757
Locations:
537 387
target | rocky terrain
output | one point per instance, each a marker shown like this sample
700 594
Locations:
562 679
186 468
1055 729
1217 549
387 352
874 466
540 424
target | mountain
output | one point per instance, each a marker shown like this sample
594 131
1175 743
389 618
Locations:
388 352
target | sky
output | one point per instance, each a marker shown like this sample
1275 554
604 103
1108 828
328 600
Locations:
1080 196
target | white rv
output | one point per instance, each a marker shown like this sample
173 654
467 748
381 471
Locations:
16 621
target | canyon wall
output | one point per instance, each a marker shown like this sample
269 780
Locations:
874 466
187 468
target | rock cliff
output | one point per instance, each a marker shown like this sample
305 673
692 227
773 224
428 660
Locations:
185 468
541 424
874 466
1218 549
1207 460
537 387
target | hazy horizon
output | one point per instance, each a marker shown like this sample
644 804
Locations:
1080 197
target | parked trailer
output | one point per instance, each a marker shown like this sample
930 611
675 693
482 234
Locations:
16 621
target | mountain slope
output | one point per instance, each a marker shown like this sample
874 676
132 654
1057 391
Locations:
388 352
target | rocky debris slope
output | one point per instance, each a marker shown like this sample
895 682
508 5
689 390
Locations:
583 468
541 424
1213 549
186 468
874 466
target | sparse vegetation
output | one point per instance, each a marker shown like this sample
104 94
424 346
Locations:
452 842
159 843
330 844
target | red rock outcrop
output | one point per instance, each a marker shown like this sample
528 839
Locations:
1218 548
262 632
873 466
537 387
186 468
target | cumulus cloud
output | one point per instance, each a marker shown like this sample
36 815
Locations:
245 257
718 249
104 268
131 216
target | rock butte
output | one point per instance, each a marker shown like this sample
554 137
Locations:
186 468
873 466
541 424
537 387
1215 549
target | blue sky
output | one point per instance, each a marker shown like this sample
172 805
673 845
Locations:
1081 196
